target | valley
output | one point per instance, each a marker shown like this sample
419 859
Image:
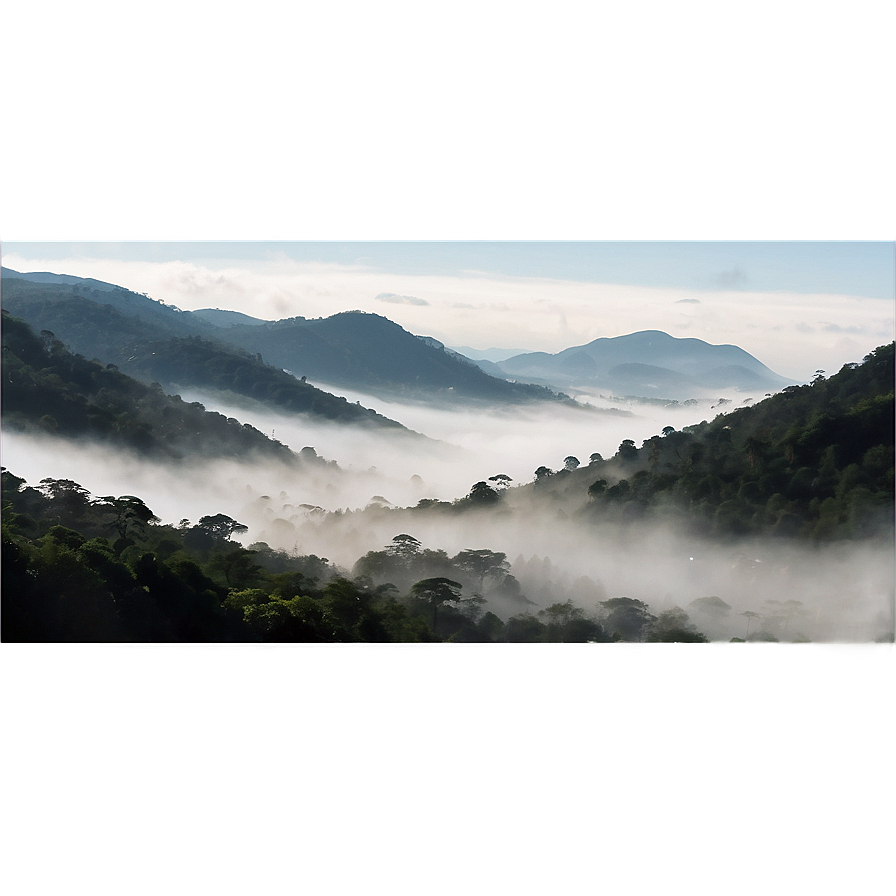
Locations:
742 515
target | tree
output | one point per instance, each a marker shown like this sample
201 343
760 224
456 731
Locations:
483 495
567 623
482 563
66 492
542 473
404 546
627 450
502 480
437 591
220 526
626 618
675 626
571 463
524 627
750 616
129 512
595 458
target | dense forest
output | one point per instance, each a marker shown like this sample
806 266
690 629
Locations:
82 568
812 461
158 343
48 389
812 465
145 338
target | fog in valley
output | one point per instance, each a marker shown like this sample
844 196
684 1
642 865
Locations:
354 494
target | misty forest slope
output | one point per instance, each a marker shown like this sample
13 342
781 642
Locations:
648 362
812 465
82 568
157 343
814 460
49 390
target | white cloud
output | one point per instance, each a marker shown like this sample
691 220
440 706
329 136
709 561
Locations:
394 299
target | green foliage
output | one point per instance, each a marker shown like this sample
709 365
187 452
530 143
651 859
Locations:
156 343
813 462
627 619
675 626
85 398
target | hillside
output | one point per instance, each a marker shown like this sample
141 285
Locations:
352 349
364 351
35 293
812 461
49 390
649 362
158 343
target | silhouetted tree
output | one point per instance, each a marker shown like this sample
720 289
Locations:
437 591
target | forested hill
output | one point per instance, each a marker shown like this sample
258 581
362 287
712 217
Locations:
158 343
352 349
49 390
363 351
813 461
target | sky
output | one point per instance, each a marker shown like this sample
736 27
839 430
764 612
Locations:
689 170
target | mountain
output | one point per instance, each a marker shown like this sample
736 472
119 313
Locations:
223 318
47 277
25 295
359 350
488 354
649 362
159 343
352 349
50 390
813 461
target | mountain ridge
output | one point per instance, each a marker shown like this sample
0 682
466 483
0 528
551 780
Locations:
678 363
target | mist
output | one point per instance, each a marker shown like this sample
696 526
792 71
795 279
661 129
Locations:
360 490
463 445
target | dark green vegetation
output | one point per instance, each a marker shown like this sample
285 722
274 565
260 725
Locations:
351 349
83 568
158 343
813 461
812 465
47 389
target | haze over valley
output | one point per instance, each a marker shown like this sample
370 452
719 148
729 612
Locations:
635 487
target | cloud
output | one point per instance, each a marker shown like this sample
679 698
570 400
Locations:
462 305
395 299
837 328
803 327
689 302
736 278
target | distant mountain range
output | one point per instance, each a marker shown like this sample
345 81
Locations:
646 363
154 342
271 360
353 350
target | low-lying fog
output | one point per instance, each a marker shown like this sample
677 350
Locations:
845 593
476 442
